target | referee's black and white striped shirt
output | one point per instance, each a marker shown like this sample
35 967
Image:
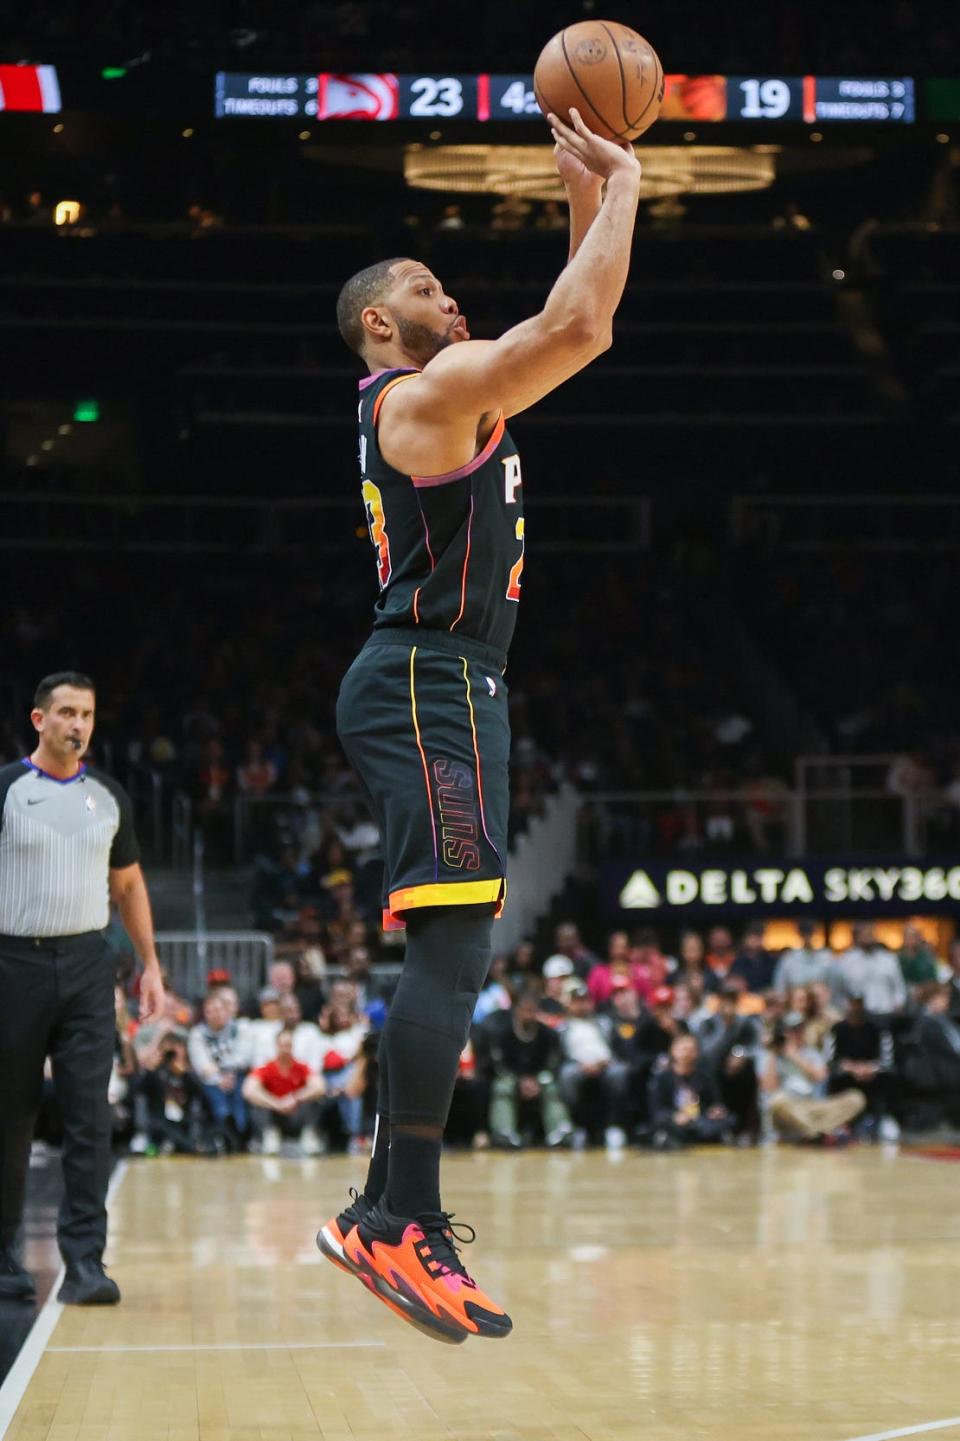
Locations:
59 841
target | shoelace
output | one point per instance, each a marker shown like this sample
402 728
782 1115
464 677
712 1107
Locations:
442 1236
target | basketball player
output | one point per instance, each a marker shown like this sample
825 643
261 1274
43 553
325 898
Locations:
422 712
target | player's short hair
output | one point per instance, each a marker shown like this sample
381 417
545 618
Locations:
49 684
367 287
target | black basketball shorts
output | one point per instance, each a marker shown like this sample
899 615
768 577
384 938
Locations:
423 719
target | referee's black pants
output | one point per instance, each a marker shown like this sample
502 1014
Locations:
56 1000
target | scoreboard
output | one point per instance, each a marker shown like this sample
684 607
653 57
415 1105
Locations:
808 99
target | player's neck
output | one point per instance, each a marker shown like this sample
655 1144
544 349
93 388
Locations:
51 765
392 359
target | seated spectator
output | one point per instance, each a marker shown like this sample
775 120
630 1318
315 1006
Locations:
366 997
147 1044
794 1075
344 917
870 971
932 1065
220 1056
227 992
720 954
859 1055
558 977
803 964
281 1096
658 1029
264 1030
622 1026
342 1033
567 942
692 962
593 1081
307 1043
174 1101
522 967
494 996
684 1104
729 1045
953 984
309 962
690 1005
618 965
918 964
651 965
524 1059
281 978
813 1003
754 963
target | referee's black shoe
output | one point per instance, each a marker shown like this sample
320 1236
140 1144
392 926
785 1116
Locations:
16 1283
86 1285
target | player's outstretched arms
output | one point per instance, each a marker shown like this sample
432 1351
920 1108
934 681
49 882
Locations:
474 378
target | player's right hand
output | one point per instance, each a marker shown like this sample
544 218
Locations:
603 157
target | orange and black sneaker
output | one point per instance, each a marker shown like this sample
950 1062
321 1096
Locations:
331 1238
415 1264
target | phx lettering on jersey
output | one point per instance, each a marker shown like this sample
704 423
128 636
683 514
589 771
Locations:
459 823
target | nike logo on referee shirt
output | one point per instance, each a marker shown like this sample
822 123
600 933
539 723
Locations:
38 802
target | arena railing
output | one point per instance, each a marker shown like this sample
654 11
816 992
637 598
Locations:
189 956
792 822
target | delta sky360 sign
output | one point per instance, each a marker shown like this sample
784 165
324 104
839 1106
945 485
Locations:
813 886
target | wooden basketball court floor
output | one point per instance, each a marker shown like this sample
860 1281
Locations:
776 1295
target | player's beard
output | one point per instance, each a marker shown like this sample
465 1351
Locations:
420 342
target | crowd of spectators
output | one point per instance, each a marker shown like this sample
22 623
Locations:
295 1063
724 1042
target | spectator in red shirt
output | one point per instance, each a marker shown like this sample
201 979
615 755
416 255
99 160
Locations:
281 1097
646 954
618 964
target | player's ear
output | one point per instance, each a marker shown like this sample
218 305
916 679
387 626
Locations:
376 322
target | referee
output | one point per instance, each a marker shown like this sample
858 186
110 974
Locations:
67 848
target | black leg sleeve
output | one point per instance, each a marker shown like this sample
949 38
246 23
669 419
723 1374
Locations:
447 960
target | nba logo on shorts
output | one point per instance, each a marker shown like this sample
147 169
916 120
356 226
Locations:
491 685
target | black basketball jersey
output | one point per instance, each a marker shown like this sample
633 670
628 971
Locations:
449 548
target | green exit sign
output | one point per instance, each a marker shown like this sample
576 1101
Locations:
86 411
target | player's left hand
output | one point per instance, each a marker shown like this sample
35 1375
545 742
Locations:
151 994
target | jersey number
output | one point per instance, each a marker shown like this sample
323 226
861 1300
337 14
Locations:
513 589
376 520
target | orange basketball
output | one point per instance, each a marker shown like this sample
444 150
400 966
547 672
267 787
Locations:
606 71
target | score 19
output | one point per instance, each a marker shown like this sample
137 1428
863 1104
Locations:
768 99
